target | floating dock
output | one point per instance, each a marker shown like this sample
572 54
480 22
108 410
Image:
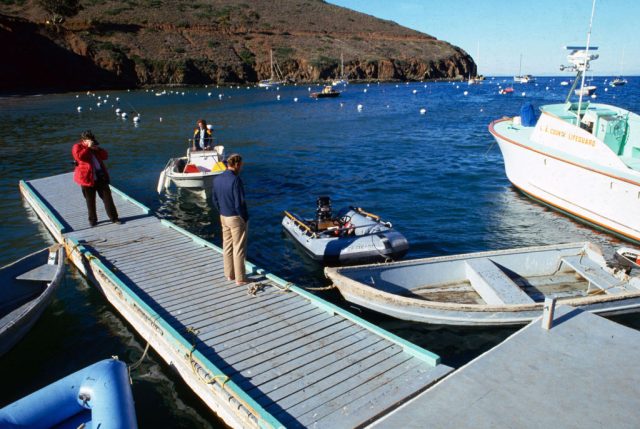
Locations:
272 355
579 374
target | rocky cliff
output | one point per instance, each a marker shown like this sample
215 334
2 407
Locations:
147 42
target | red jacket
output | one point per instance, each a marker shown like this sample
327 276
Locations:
83 174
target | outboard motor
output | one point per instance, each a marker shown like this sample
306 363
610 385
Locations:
323 209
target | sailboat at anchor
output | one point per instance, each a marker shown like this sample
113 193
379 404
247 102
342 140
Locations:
275 78
342 80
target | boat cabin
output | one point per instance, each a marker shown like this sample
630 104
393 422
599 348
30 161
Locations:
615 127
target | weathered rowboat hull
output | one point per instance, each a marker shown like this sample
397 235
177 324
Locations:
505 287
28 286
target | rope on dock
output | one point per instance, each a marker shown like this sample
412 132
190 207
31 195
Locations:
137 364
331 286
197 368
123 243
283 289
254 288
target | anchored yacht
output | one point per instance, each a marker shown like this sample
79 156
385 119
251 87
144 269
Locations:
580 158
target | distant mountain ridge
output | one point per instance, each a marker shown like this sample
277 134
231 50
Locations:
148 42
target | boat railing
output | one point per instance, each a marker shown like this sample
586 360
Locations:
332 230
300 223
365 213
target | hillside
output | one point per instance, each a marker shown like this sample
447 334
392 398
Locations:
146 42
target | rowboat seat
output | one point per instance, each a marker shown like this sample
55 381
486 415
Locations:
493 285
43 273
594 274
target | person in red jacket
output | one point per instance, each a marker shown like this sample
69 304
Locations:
92 176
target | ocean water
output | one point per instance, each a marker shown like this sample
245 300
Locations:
437 176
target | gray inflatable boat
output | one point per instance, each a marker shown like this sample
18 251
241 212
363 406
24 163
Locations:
353 236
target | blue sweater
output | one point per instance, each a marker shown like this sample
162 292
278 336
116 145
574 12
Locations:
228 195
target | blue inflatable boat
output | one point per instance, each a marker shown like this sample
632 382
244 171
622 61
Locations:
98 396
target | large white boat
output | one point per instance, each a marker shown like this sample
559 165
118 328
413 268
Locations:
579 157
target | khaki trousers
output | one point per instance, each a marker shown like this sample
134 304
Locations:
234 246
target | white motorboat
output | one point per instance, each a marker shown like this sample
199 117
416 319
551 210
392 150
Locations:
194 171
527 78
580 158
628 258
585 90
619 81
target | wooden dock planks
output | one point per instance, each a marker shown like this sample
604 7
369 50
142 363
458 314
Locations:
287 357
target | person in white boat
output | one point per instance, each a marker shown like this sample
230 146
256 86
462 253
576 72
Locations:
228 197
202 136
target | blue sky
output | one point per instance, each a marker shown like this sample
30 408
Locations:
537 29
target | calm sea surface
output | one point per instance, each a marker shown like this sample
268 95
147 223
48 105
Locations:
438 177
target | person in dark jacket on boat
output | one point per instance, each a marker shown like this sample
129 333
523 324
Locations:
202 136
91 174
228 197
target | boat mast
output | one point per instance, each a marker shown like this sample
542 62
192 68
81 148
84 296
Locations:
478 57
584 73
520 69
341 65
271 61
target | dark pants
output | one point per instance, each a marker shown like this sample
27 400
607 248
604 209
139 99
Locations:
101 187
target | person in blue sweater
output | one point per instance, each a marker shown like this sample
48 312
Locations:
228 197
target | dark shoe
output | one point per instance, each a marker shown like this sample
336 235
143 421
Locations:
117 222
92 224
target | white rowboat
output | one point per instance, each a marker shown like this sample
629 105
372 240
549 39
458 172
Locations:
506 287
